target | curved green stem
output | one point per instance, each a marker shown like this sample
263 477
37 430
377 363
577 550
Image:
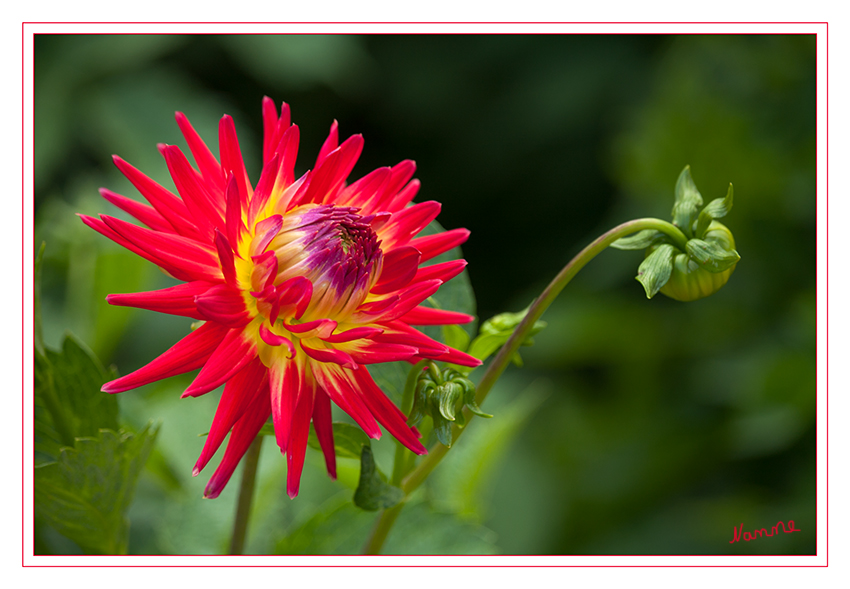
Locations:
436 454
246 496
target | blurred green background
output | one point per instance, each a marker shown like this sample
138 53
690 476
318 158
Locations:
636 426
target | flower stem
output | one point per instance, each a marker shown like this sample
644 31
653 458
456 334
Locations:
436 454
246 496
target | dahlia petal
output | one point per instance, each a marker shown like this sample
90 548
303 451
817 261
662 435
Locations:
401 174
335 384
353 334
176 300
431 316
239 393
410 297
404 196
265 185
207 164
324 429
234 225
264 232
168 205
273 127
264 271
444 271
396 332
455 357
288 150
409 221
206 212
273 339
223 304
333 170
321 328
231 155
371 352
399 267
296 291
330 143
188 256
386 412
297 447
102 228
432 246
331 355
226 258
233 353
243 434
189 353
363 193
286 379
144 213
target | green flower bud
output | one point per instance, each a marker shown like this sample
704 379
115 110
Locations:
689 280
708 257
442 395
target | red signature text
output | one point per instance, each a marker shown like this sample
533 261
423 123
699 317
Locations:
739 534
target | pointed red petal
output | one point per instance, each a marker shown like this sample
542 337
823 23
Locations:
399 267
223 304
239 393
243 434
408 222
206 211
168 205
334 382
386 412
189 353
188 256
324 429
444 271
232 354
297 447
231 156
144 213
285 380
430 316
207 164
176 300
432 246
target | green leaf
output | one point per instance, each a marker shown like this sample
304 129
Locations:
76 377
711 255
639 241
373 492
485 344
348 440
716 209
86 493
655 270
455 337
688 201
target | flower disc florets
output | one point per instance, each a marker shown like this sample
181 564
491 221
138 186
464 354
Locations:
298 283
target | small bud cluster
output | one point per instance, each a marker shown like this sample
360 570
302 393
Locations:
442 395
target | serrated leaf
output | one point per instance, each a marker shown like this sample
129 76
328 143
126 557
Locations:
716 209
687 203
639 241
86 493
348 440
655 270
712 256
373 492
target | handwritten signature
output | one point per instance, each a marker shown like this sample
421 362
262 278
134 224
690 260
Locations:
739 534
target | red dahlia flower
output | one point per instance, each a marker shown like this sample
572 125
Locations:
299 282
